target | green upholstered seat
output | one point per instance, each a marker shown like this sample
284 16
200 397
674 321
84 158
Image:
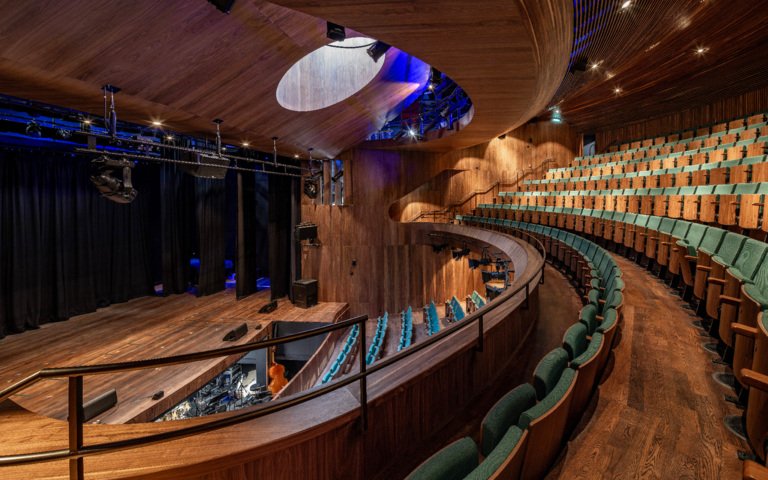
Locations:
547 372
453 462
729 249
557 392
592 349
712 240
749 260
496 458
693 238
504 414
588 316
575 340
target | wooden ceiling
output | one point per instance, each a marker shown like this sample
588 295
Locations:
185 63
649 51
509 56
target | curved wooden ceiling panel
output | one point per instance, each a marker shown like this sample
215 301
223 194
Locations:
185 63
508 56
649 51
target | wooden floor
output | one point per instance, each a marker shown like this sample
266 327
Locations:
659 413
146 327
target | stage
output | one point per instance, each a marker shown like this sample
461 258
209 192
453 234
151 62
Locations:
142 328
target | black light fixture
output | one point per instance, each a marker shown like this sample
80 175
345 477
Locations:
435 76
33 129
377 50
119 190
224 6
336 32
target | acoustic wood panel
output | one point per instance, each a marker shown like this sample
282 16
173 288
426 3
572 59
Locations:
186 63
508 56
649 52
719 111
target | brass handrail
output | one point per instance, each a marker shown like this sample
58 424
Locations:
77 451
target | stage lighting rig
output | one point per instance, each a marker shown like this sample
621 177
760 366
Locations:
377 50
119 190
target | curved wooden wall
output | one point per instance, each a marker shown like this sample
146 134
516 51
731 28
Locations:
321 438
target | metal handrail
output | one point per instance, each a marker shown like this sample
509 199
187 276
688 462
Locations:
77 451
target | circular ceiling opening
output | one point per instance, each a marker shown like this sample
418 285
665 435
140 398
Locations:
329 75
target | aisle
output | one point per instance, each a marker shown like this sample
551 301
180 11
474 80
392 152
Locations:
659 413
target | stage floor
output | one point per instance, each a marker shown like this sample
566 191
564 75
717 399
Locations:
142 328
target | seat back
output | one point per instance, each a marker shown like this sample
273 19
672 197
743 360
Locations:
548 371
575 340
504 414
453 462
730 248
546 422
750 258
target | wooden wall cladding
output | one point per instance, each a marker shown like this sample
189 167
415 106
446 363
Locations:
649 51
715 112
321 438
397 185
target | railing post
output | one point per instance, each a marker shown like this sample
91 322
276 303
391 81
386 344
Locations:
480 339
75 420
363 380
541 282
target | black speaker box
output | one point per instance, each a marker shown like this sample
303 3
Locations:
305 293
268 308
205 166
306 231
236 333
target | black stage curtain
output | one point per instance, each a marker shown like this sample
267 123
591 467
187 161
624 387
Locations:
178 232
211 196
252 212
64 250
281 193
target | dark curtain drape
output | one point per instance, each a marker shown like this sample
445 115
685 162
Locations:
252 216
279 234
65 250
178 232
211 206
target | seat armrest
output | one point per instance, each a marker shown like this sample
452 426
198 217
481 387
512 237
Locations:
754 471
691 258
703 268
741 329
731 300
754 379
715 280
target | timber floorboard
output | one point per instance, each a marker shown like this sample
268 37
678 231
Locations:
146 327
658 412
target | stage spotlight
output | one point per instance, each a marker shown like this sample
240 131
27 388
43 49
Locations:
435 76
33 129
119 190
458 253
311 187
377 50
335 32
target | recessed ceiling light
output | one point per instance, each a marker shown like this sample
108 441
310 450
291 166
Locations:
617 90
245 144
169 137
609 75
87 121
157 123
626 4
594 66
295 155
701 50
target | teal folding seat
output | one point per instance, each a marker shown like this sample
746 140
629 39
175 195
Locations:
453 462
730 248
713 238
666 225
748 260
653 223
693 238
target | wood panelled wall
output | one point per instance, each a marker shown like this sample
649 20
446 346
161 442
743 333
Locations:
390 186
716 112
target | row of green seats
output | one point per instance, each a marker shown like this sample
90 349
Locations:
722 189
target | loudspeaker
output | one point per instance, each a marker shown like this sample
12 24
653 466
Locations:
306 231
236 334
206 165
268 308
99 405
305 293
